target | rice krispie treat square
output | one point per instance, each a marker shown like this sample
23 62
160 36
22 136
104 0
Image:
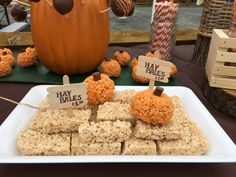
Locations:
114 111
104 132
44 104
32 142
78 148
57 121
171 130
123 96
135 146
157 132
192 143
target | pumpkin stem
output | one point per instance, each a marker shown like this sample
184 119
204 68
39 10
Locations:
4 53
121 51
158 91
107 59
96 76
103 11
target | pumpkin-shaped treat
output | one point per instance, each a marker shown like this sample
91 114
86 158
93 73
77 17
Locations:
110 67
100 88
71 37
5 51
134 62
31 51
138 78
153 107
151 55
5 68
26 59
122 57
173 71
8 58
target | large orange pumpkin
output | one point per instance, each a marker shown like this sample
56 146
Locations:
73 43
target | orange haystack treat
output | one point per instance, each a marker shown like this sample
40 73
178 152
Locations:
5 51
173 71
152 108
8 58
27 58
122 57
137 78
5 68
100 88
110 67
134 62
151 54
32 52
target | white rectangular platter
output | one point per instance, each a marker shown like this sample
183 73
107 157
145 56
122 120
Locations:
221 147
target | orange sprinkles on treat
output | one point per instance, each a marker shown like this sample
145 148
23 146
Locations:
27 58
122 57
134 62
137 78
5 68
8 58
5 51
111 68
151 108
173 71
99 91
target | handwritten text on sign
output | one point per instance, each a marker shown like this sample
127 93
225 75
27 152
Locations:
154 69
67 96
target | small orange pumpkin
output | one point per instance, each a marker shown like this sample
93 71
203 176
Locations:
72 43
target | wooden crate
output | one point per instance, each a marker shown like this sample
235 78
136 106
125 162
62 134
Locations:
218 73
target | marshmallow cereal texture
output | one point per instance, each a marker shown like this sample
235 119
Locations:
5 69
111 68
99 91
122 57
152 109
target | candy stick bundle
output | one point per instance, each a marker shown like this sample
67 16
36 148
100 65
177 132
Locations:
162 27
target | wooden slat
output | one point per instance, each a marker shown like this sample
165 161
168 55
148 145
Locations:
226 56
222 82
25 39
224 70
15 39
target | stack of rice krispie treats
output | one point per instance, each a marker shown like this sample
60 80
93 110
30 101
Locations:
110 129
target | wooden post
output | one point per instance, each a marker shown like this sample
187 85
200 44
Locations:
66 81
151 84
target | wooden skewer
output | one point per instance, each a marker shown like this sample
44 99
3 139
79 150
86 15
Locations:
26 4
25 104
103 11
49 2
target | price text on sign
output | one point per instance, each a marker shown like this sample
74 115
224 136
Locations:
154 69
67 96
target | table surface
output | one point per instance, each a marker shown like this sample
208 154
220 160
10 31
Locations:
189 75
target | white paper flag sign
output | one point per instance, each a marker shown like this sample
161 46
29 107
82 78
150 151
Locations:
154 69
67 96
